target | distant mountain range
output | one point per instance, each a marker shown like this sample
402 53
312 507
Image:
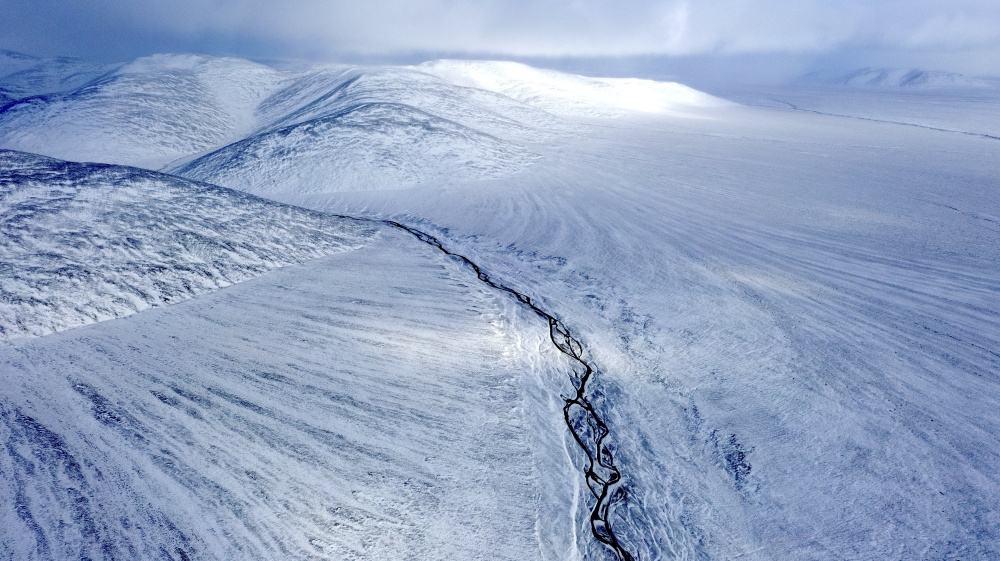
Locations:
895 78
322 128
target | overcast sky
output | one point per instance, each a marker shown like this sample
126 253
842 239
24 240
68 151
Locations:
963 35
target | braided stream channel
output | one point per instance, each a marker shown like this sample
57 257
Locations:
587 428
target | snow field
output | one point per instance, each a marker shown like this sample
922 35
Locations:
793 314
315 412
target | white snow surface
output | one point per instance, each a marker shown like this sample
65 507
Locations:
83 243
364 147
966 111
794 317
568 94
366 405
145 113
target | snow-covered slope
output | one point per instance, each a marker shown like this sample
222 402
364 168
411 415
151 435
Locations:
11 61
568 94
323 92
364 147
146 113
973 111
371 404
81 243
55 75
795 318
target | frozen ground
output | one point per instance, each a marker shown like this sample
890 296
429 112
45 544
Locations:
794 316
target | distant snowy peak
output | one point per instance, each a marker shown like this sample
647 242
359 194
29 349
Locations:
569 94
893 78
81 243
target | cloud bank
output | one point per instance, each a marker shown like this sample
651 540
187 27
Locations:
109 29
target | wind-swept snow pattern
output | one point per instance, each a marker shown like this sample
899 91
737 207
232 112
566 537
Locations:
794 317
81 243
370 404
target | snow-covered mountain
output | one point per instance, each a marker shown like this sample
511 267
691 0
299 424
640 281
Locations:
363 129
81 243
165 108
144 113
11 61
368 146
53 76
787 321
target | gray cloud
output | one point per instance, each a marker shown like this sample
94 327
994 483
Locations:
324 28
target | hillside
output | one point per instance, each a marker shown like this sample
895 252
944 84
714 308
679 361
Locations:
83 243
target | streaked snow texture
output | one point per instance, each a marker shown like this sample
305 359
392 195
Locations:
81 243
366 405
795 317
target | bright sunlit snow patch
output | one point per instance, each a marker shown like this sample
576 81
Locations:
569 94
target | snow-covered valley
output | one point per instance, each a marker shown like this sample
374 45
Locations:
793 312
